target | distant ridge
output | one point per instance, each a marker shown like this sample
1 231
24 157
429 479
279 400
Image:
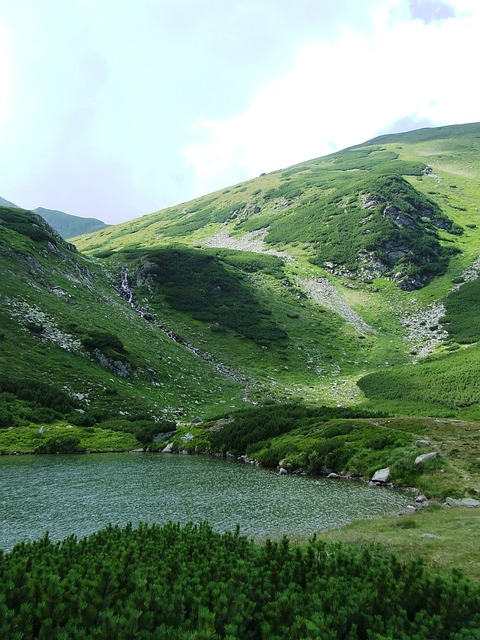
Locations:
7 203
65 224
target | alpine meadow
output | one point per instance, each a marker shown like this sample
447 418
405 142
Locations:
322 319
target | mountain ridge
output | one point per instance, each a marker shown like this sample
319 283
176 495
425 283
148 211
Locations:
66 224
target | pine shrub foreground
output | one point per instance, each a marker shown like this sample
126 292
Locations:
175 582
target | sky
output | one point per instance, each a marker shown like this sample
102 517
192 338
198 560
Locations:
117 108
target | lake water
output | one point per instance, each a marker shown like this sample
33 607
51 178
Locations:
81 494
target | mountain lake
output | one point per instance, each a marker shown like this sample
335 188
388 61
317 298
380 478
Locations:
79 494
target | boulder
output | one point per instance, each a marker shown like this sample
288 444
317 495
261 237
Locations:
282 471
426 456
334 476
422 443
463 502
382 475
168 448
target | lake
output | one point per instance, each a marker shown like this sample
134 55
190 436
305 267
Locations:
81 494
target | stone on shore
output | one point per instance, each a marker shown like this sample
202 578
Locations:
382 475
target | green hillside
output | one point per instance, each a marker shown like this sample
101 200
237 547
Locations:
347 281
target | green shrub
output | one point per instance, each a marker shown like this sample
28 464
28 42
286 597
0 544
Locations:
102 340
191 582
6 418
60 444
38 394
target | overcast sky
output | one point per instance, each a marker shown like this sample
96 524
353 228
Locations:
116 108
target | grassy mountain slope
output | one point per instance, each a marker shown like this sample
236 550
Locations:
379 209
378 233
359 267
63 326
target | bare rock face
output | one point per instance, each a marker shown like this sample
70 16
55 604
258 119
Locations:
117 367
399 218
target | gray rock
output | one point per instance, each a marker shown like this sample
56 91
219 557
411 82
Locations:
463 502
426 456
334 476
382 475
410 508
168 448
187 437
422 443
398 217
282 471
421 498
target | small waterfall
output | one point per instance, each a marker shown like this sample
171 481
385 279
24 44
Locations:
126 292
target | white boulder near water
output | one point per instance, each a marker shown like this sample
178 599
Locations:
382 475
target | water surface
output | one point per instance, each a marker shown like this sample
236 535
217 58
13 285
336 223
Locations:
81 494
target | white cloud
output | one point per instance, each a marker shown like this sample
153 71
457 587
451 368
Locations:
342 93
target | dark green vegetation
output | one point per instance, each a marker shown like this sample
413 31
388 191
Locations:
129 583
212 290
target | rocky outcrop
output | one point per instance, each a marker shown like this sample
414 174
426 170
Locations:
120 368
33 319
399 218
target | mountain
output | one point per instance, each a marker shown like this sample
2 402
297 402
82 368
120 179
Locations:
349 281
64 223
67 225
7 203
